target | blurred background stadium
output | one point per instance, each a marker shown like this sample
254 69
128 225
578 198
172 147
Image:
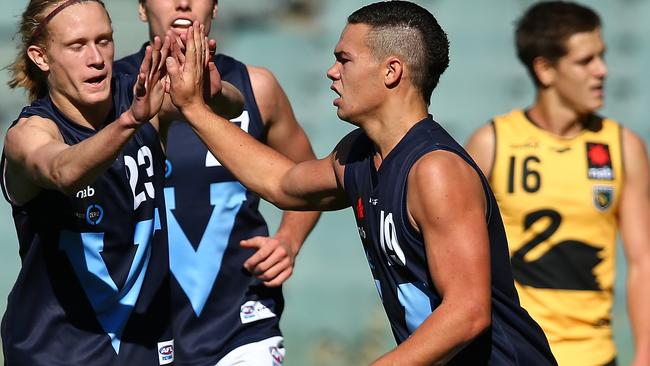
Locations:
333 314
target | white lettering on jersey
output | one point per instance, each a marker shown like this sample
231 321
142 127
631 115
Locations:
388 240
132 172
86 192
243 120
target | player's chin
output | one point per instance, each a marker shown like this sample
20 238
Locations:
595 105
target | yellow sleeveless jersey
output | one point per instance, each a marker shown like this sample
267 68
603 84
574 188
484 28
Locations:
559 198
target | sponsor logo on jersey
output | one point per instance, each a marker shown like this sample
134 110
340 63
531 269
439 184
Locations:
165 352
253 311
360 213
599 162
86 192
373 201
603 196
531 143
276 355
94 214
388 240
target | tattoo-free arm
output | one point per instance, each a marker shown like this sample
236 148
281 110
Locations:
452 220
38 158
273 262
634 221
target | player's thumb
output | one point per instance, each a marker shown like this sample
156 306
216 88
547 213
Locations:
248 243
173 70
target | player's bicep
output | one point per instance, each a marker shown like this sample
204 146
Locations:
447 205
31 147
316 183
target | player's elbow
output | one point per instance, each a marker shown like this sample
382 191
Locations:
477 319
66 180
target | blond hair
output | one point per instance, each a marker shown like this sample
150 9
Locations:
32 30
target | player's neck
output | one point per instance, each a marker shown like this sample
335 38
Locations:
392 122
88 116
556 119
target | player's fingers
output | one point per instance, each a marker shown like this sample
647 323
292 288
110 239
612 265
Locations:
198 43
164 52
173 70
156 45
141 83
190 51
272 259
206 51
260 255
177 50
280 278
253 243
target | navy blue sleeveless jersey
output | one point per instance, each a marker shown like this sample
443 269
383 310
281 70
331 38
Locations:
217 304
397 258
93 288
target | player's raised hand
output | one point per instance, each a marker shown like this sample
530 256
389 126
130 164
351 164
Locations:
186 73
149 88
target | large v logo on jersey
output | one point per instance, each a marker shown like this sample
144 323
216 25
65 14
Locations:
112 305
196 270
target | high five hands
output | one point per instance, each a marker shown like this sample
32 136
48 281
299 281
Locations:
190 60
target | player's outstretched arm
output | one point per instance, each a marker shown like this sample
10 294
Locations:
634 221
37 156
310 185
274 258
452 220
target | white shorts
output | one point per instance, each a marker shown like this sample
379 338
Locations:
267 352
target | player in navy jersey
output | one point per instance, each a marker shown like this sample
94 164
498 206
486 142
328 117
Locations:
83 169
222 313
426 216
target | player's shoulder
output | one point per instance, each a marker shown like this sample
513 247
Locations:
262 78
441 164
482 135
632 141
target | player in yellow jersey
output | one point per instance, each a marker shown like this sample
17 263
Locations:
566 179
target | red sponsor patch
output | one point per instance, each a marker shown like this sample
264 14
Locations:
598 154
360 208
599 161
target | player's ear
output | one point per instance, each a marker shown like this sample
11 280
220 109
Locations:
394 69
38 57
142 12
544 71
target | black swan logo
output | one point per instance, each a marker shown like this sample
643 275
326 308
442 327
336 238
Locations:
568 265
